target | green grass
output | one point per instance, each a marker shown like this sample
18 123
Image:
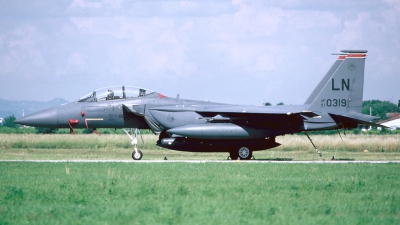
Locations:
118 146
206 193
354 143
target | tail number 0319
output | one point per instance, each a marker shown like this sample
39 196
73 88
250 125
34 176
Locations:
333 102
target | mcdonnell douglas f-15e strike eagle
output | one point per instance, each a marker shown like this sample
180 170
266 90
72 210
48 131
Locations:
199 126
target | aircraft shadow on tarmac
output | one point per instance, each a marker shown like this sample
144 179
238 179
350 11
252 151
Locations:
344 159
275 159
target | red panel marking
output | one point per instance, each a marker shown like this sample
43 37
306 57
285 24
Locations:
70 123
161 96
357 55
352 55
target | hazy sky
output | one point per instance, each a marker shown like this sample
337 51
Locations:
245 52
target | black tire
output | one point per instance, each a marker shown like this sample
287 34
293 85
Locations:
244 153
137 156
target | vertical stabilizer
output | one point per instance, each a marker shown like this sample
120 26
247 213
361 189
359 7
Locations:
324 80
341 89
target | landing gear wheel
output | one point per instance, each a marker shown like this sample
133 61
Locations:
137 155
245 153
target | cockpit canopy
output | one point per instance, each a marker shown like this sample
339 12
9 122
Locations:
115 92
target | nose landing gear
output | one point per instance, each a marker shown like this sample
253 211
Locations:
136 154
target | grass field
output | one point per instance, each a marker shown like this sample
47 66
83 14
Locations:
115 146
201 193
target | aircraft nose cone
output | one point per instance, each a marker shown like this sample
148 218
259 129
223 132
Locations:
44 118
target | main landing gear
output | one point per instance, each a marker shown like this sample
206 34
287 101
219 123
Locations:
242 153
136 154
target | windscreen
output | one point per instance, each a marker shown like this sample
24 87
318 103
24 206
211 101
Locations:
115 92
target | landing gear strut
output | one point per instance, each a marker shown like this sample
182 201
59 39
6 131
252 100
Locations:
315 147
136 154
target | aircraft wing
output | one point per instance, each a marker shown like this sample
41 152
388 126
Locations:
253 113
274 115
250 122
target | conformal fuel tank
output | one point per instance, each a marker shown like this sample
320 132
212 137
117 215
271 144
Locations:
218 131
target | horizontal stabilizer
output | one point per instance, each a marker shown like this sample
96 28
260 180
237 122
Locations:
352 120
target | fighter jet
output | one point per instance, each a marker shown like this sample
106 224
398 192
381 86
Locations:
200 126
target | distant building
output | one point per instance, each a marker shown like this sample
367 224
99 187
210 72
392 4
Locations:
1 121
393 122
